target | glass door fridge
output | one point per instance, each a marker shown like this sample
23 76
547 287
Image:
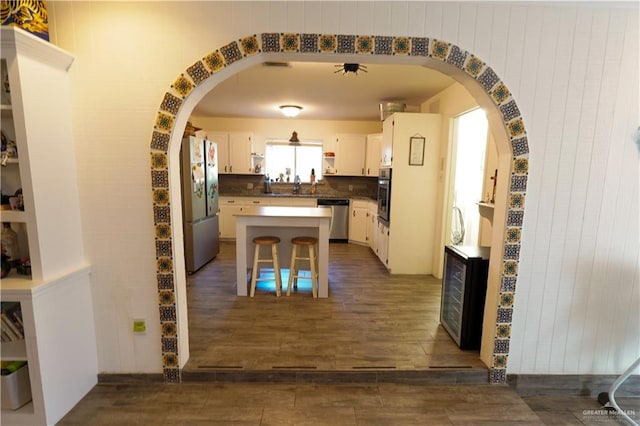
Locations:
464 287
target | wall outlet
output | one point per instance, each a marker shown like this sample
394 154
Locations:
139 325
350 188
249 186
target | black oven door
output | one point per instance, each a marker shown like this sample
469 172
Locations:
384 194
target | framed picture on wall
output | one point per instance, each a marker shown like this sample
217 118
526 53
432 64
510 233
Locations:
416 151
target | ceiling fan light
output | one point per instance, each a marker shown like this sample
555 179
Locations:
290 110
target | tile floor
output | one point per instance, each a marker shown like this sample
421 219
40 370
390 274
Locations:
355 358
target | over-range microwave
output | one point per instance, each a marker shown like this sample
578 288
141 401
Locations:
384 194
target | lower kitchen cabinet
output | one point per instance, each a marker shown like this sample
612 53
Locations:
372 224
358 213
382 243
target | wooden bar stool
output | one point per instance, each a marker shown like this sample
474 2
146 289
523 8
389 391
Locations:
294 269
272 241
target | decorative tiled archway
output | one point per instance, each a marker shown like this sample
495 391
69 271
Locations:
447 53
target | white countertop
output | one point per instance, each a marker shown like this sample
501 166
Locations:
273 211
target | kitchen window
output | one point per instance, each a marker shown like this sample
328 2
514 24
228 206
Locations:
284 160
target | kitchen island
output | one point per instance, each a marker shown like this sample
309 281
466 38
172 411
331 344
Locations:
286 223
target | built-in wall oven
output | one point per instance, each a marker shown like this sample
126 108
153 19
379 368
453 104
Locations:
384 194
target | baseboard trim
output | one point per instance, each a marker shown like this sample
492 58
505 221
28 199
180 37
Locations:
571 384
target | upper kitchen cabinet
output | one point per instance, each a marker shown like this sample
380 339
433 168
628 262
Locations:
357 154
350 154
372 160
235 150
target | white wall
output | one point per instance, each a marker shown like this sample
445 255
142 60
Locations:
573 70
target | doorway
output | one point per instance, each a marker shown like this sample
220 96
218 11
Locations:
198 79
469 147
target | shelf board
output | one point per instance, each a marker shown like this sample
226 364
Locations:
487 205
14 351
13 216
23 415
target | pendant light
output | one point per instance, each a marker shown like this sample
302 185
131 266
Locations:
294 137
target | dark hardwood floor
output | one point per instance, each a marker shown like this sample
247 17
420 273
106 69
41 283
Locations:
372 323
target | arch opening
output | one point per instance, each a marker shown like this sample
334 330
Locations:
505 121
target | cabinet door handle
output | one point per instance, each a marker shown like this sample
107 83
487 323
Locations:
256 202
231 169
354 213
363 170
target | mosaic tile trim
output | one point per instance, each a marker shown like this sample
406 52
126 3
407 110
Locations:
382 45
346 44
171 103
364 44
488 79
164 122
214 62
457 57
520 147
271 42
183 86
170 344
419 46
290 42
309 43
164 265
161 214
160 141
516 201
473 66
163 248
439 49
250 45
401 46
328 43
172 375
165 281
501 346
159 179
231 53
505 315
198 72
499 362
166 297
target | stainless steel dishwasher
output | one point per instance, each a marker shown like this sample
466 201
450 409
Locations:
339 230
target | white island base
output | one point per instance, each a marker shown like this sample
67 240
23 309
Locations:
286 223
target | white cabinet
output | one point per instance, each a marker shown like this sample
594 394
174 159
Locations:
59 342
350 154
372 160
358 213
386 144
229 206
372 222
235 152
382 243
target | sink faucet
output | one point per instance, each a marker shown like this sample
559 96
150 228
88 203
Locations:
296 185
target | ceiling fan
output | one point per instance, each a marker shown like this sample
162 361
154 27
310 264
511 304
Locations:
347 68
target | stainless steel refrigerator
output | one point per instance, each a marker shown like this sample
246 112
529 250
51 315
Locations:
199 166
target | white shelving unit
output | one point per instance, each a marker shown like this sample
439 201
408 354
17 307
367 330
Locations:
59 338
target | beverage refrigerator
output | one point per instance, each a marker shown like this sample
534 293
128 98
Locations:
464 288
199 174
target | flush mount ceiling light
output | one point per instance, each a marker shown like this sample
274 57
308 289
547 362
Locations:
347 68
290 110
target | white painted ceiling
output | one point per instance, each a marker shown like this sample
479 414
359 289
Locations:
323 93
